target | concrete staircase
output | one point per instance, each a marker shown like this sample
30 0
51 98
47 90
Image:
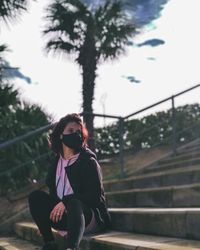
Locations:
159 208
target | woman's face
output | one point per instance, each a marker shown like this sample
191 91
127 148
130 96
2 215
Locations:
71 127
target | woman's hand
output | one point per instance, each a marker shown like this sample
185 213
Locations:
57 212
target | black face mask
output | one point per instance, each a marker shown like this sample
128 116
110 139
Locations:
73 140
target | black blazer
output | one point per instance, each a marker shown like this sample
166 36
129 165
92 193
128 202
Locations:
86 181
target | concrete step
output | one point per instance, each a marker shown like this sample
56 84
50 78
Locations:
13 243
124 241
170 222
182 157
181 176
6 224
189 146
172 196
119 240
172 165
183 154
195 148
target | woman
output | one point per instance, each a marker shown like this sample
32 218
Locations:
76 202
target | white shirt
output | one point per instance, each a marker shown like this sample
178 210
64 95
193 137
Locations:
63 186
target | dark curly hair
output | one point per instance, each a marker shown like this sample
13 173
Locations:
54 136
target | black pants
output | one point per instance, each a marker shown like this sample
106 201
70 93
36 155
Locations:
78 216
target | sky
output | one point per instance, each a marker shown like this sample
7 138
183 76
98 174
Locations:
147 73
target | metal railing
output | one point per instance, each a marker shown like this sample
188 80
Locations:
17 139
172 99
120 123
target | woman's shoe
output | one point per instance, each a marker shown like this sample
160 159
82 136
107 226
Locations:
50 246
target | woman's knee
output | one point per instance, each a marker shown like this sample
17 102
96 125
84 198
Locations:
36 196
74 204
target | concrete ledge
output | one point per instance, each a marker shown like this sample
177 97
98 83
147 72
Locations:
29 231
12 243
171 222
128 241
172 165
181 176
172 196
148 197
142 242
153 175
181 157
6 226
188 148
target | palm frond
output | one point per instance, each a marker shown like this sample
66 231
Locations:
76 3
67 21
109 12
61 46
10 9
113 29
3 48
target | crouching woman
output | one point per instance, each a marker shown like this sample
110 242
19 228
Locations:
75 203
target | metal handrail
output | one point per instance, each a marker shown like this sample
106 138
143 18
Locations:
24 164
121 125
27 135
2 173
162 101
47 127
101 115
44 129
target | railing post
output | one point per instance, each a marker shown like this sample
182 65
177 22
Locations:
173 127
121 146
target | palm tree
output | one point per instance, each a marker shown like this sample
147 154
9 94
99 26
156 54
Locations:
3 48
17 118
92 36
10 9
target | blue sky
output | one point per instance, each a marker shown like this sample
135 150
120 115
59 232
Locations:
150 71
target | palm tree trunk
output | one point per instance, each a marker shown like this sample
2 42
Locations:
89 76
89 66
